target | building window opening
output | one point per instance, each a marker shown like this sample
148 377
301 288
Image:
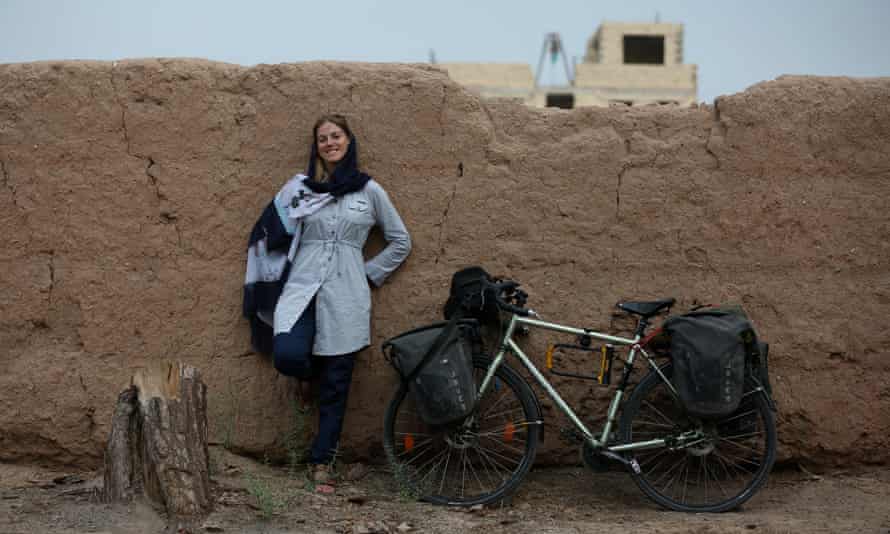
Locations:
644 49
560 100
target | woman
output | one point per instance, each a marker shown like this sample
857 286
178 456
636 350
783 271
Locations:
322 318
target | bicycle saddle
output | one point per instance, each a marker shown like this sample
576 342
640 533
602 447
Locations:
646 309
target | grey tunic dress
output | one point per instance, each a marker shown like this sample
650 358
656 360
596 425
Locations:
329 265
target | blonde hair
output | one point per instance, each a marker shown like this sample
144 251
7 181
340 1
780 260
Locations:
321 172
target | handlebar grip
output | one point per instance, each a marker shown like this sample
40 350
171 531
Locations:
507 286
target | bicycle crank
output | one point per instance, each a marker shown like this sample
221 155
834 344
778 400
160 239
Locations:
592 459
598 459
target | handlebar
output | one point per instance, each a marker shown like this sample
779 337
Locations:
510 289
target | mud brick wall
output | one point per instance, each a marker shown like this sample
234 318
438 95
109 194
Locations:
128 190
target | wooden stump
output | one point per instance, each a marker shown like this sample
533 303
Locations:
158 441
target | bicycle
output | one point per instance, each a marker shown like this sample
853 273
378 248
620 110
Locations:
680 462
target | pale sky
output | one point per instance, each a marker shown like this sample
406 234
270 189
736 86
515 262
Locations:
734 43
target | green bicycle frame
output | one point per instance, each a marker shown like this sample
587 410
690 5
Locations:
508 344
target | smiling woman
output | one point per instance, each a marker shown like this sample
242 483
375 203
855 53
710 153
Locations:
307 282
332 142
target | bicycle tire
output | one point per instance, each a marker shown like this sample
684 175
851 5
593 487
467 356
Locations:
456 466
715 475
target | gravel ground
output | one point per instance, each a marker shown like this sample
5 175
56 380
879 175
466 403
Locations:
255 498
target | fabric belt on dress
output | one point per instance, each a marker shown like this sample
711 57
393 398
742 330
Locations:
332 241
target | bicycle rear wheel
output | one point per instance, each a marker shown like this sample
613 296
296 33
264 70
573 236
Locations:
717 473
465 464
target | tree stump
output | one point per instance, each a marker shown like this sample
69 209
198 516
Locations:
158 441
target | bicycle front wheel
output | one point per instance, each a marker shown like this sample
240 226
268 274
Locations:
716 473
479 461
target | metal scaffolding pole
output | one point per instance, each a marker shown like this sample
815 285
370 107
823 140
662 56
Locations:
553 44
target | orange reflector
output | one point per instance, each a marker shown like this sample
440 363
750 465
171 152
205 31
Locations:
409 442
599 377
550 357
509 430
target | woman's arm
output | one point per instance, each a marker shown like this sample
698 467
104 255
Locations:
398 241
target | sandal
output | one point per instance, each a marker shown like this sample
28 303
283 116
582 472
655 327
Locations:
321 474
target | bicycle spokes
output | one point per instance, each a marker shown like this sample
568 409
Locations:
706 465
477 460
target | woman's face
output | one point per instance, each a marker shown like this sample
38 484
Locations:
332 143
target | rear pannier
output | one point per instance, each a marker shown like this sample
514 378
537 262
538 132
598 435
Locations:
711 349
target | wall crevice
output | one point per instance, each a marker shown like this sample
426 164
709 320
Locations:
7 183
152 178
718 129
439 248
151 173
51 265
442 109
618 190
150 162
122 105
710 151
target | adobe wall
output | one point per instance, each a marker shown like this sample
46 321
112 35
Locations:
128 189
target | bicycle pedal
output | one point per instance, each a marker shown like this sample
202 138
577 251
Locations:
570 435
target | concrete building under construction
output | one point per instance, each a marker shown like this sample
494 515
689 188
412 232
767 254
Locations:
625 63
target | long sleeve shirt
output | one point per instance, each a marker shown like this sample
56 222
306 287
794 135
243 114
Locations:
328 264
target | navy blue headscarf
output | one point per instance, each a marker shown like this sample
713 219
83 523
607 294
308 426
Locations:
346 177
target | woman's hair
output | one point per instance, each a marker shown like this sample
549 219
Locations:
321 173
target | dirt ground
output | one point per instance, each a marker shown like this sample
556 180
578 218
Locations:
252 497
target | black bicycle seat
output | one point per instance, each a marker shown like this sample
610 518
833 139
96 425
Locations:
648 308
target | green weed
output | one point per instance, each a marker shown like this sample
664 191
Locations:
294 440
266 501
404 476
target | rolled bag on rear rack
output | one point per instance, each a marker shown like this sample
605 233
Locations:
713 350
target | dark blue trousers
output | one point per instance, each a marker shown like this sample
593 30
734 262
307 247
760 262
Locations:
293 357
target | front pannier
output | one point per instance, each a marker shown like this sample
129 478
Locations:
709 347
442 381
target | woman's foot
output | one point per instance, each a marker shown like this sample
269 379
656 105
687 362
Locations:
322 477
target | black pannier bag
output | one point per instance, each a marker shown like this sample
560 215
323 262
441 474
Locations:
436 361
711 349
441 377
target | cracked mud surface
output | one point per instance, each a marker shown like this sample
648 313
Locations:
255 498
